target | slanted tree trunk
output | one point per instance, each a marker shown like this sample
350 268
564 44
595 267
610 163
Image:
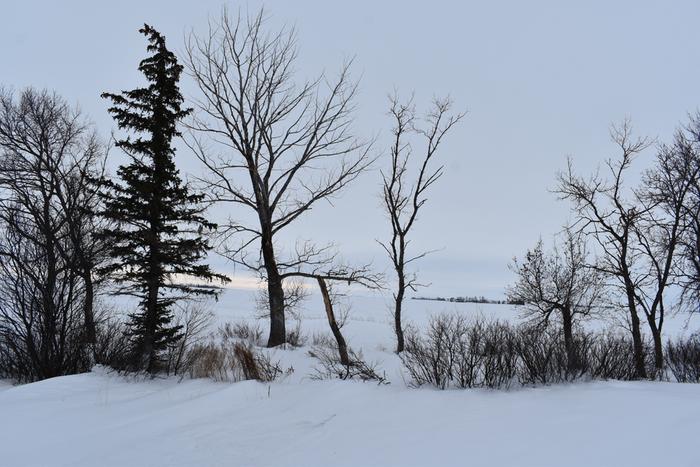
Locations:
342 346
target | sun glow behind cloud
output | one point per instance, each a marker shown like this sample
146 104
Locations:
236 282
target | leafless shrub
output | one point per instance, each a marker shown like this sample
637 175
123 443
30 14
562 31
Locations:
194 318
321 339
330 367
683 359
341 310
430 360
295 293
457 352
227 331
295 336
6 358
247 360
245 331
465 355
231 362
230 354
209 361
544 357
112 345
497 353
611 356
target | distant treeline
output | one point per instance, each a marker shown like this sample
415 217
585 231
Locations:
474 299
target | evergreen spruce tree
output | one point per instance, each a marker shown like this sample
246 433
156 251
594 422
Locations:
156 221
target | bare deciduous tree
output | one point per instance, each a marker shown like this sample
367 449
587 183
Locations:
687 146
48 248
558 283
77 194
268 144
609 214
403 196
640 230
664 196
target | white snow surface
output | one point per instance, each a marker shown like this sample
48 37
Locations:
104 419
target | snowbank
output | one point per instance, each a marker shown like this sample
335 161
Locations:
102 419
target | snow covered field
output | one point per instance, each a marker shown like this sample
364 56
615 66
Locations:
102 419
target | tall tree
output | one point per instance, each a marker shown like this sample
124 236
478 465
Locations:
687 165
666 194
610 213
48 248
644 231
157 220
404 196
269 145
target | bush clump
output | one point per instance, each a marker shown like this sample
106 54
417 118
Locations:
329 365
231 355
462 353
683 359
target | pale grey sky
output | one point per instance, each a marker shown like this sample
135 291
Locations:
541 81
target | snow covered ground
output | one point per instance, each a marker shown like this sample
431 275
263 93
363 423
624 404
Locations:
102 419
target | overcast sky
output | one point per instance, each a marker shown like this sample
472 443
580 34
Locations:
541 81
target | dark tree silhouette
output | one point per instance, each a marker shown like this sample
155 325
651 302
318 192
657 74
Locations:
684 162
158 222
609 212
48 245
666 194
403 196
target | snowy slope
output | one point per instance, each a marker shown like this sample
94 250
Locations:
101 419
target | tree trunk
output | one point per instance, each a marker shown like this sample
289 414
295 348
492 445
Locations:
397 315
637 342
342 346
658 345
275 292
278 332
90 332
51 354
148 351
567 324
